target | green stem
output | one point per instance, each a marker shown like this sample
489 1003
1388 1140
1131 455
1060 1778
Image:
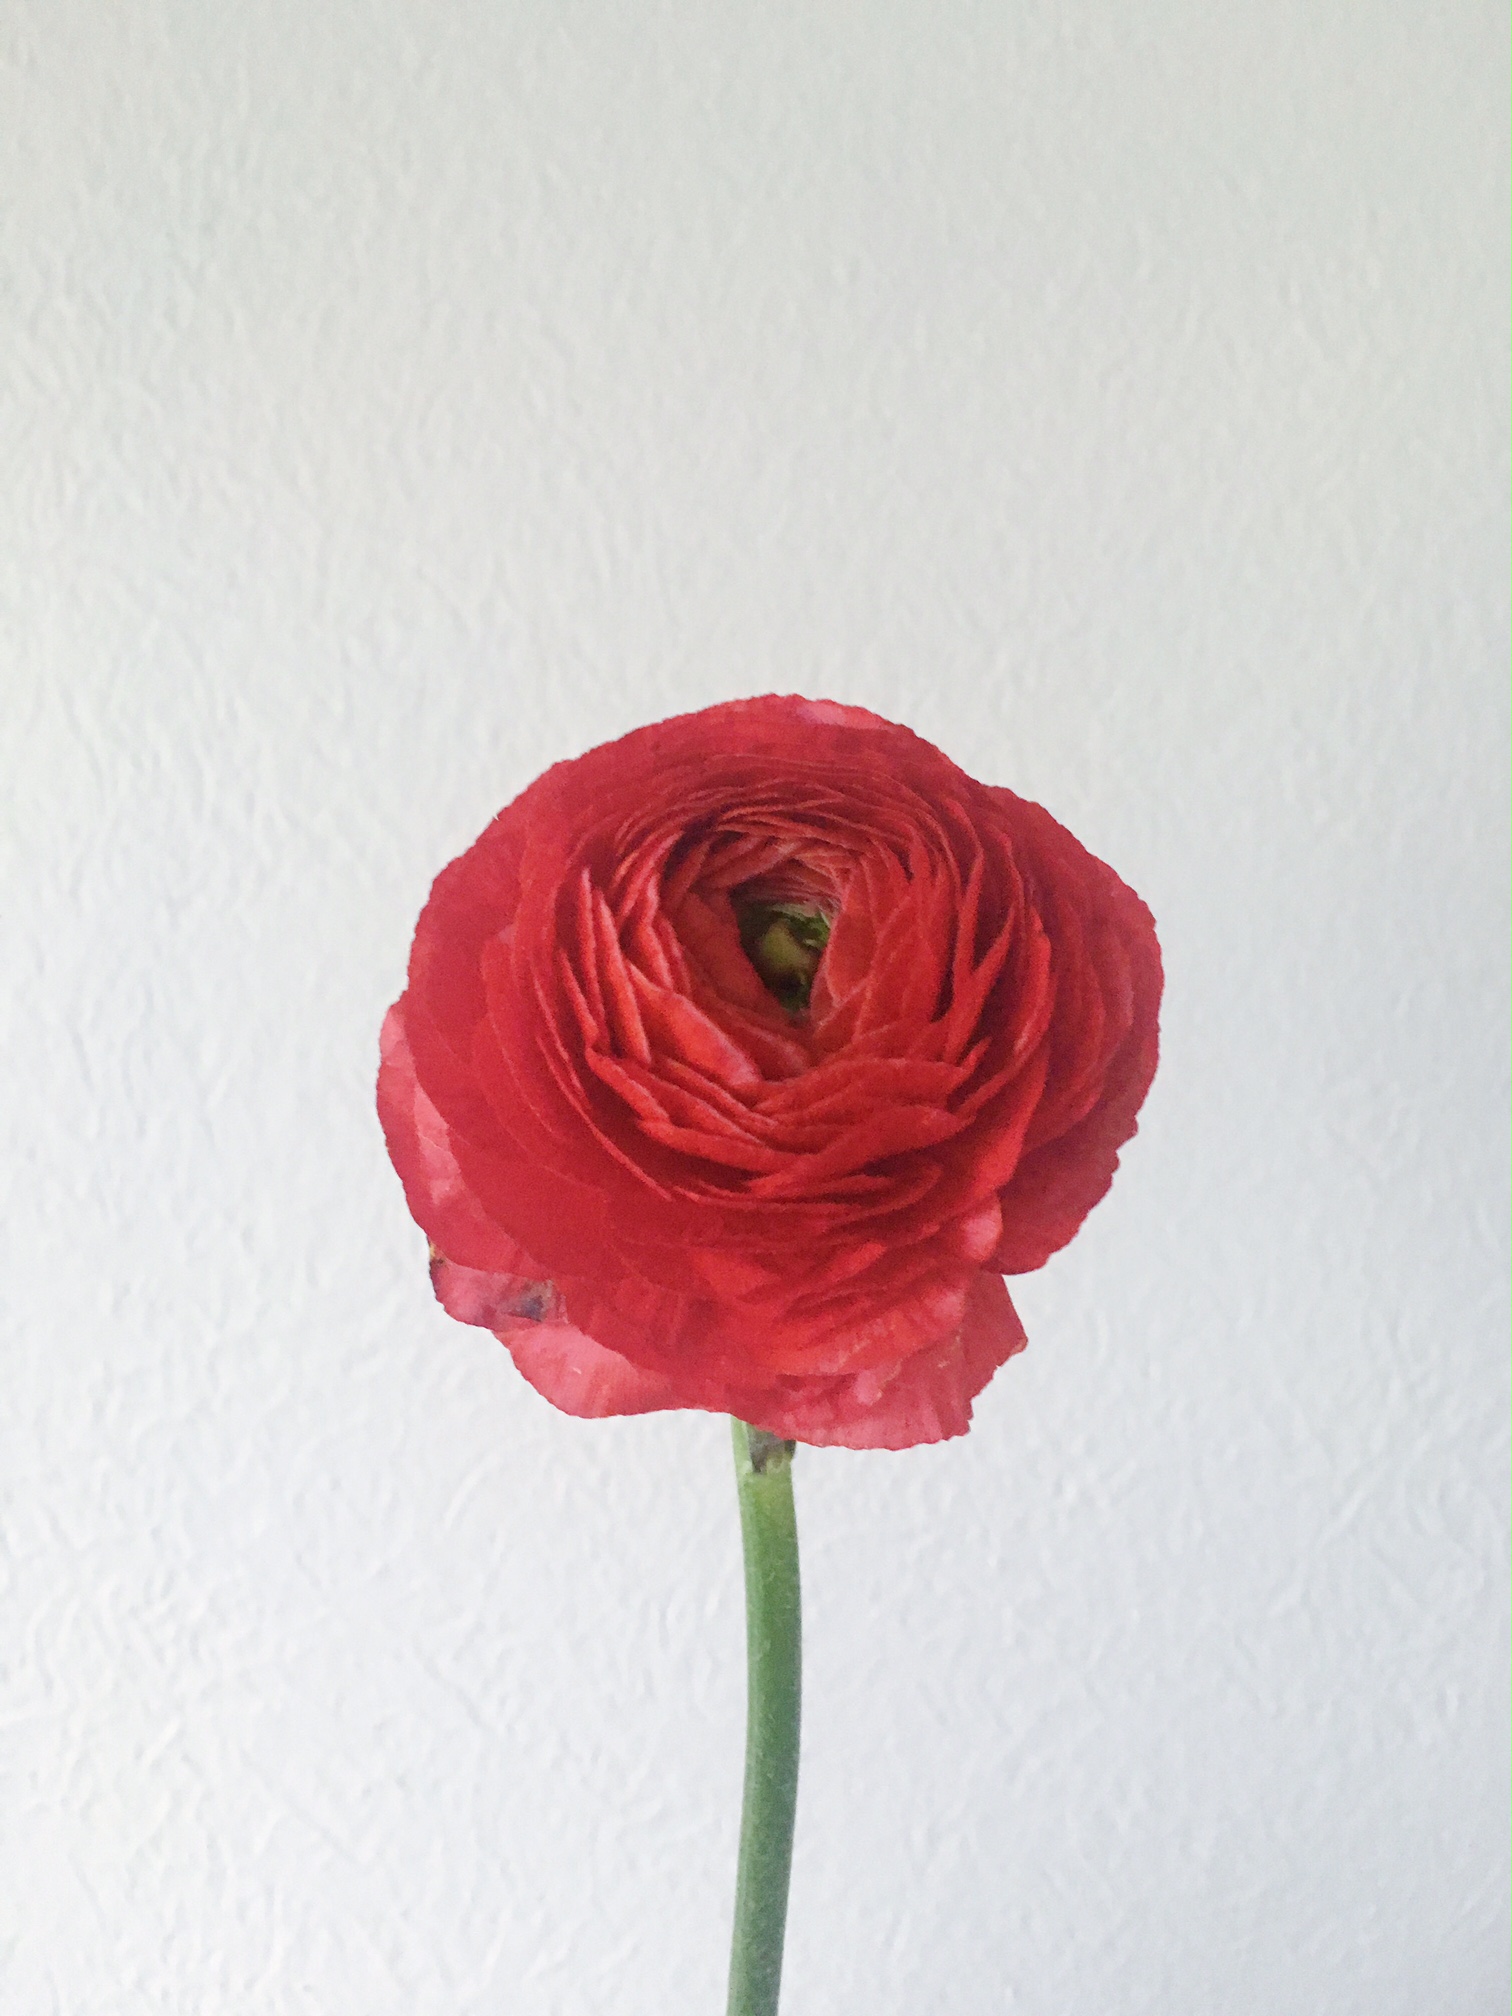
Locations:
769 1536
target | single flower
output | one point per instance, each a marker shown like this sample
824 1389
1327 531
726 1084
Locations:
741 1058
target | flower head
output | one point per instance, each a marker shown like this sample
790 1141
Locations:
742 1057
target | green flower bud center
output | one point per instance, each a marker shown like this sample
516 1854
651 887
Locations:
784 942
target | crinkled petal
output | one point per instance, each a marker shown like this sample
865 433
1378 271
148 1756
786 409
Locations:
927 1398
663 1186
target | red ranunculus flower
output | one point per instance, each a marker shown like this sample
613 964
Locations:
741 1058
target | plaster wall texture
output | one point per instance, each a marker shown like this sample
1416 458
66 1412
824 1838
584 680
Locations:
399 397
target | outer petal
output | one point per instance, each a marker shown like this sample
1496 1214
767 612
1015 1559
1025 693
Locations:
583 1378
927 1399
424 1153
569 1369
1058 1182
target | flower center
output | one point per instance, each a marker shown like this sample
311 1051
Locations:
784 942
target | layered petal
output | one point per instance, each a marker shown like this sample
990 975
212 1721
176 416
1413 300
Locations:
664 1181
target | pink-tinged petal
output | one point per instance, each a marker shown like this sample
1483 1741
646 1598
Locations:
715 1323
424 1152
582 1377
928 1397
925 1399
480 1296
976 1233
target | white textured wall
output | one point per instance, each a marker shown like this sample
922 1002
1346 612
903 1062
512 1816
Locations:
399 396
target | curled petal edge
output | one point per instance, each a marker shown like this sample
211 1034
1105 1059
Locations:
927 1398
